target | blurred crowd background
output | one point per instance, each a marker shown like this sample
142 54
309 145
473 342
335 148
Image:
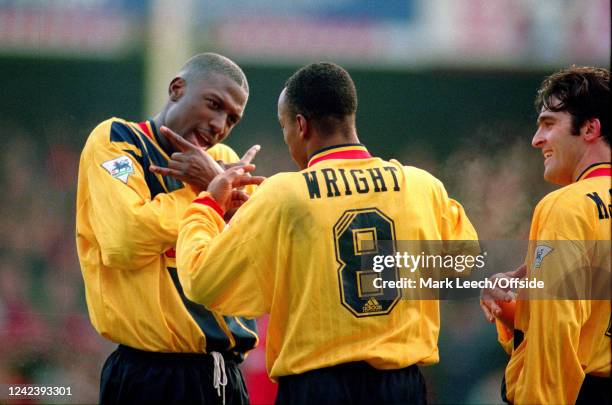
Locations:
445 85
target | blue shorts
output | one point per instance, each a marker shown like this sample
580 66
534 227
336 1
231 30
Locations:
132 376
353 383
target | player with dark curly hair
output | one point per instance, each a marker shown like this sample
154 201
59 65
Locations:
560 340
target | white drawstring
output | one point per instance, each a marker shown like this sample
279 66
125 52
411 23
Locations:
219 376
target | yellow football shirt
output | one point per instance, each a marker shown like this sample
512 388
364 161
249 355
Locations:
294 250
558 341
127 225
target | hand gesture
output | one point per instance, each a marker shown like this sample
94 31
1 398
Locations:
246 159
224 187
191 164
491 299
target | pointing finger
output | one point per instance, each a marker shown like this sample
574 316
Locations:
250 154
178 141
247 180
238 176
247 168
233 173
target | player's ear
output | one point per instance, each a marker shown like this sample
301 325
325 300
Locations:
591 129
176 89
302 124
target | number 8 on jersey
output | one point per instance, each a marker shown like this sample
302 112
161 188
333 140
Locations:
359 235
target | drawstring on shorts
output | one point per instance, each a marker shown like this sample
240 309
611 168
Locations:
219 376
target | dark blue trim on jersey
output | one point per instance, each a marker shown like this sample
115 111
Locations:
123 133
216 339
245 341
170 182
157 137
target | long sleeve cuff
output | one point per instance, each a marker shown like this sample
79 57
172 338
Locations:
206 199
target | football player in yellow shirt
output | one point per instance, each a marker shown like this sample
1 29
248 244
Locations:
171 350
561 348
296 249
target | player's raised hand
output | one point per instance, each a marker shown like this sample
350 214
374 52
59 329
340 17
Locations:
223 188
246 159
492 300
191 165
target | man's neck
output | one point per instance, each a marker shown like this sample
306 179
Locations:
596 154
159 120
320 142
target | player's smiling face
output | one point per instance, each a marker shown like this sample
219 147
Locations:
204 112
560 148
291 132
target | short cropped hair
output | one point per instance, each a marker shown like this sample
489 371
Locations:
202 65
584 92
323 92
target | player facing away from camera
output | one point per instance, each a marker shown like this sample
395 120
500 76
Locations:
294 250
561 348
171 350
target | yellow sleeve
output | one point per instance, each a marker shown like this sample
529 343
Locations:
130 226
456 224
459 238
552 372
230 269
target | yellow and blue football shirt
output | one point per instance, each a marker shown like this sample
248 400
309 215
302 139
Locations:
127 226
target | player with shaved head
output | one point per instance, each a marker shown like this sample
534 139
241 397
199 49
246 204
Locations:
171 350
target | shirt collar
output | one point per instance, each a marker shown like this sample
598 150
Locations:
596 170
344 151
150 130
